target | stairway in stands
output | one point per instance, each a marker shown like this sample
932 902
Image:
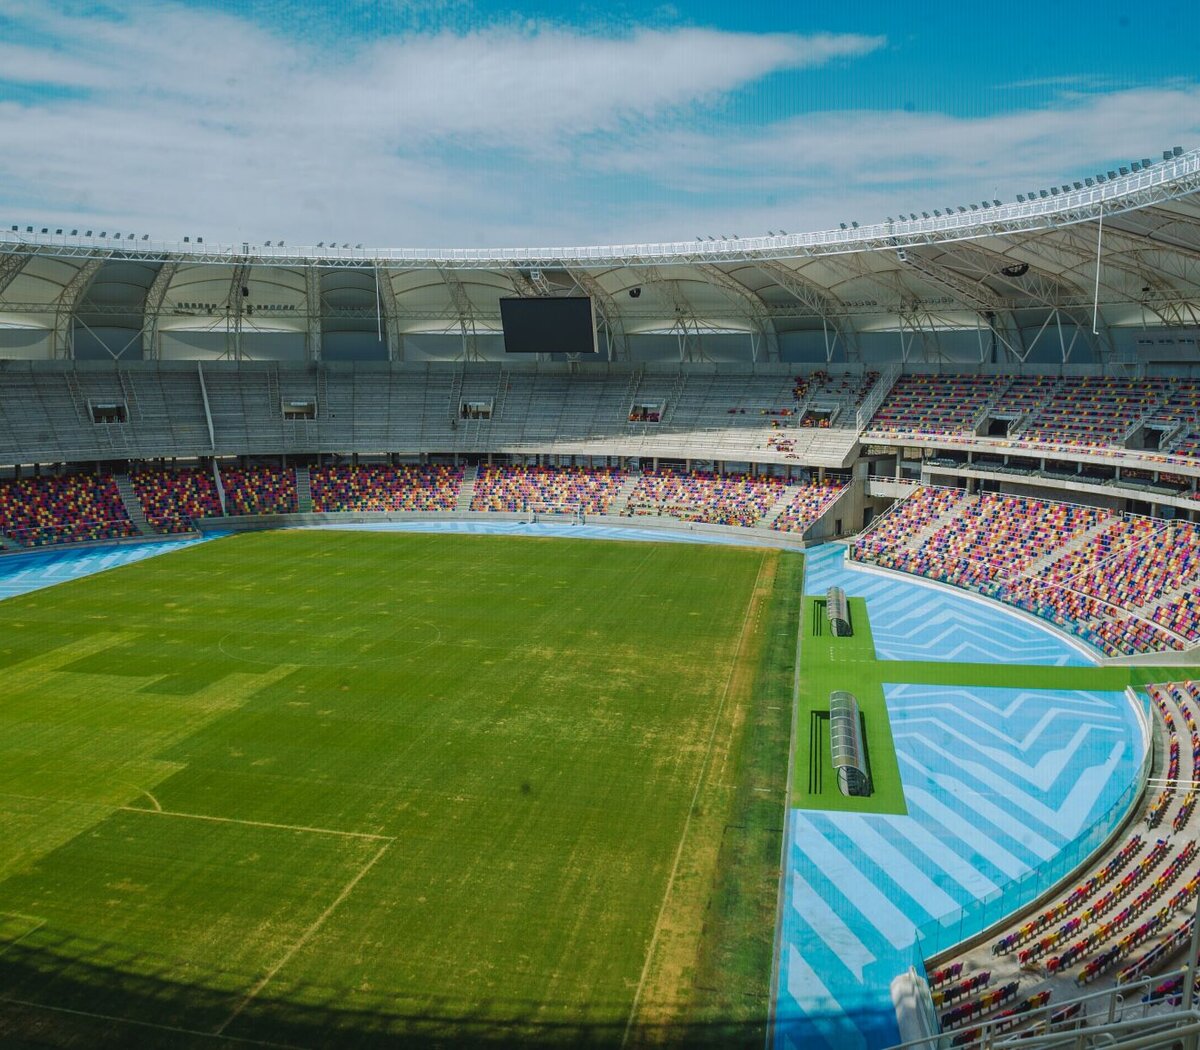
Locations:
8 545
467 491
1084 539
133 505
786 493
621 499
303 491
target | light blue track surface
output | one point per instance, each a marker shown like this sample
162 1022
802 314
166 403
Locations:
1000 784
550 528
33 570
911 620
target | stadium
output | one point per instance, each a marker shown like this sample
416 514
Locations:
784 641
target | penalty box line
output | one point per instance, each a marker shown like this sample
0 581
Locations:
28 1004
365 835
304 938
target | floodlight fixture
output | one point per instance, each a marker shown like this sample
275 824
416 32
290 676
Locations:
1166 154
841 224
924 215
58 233
1145 162
74 233
912 215
1123 170
937 213
1112 174
1020 198
104 233
186 240
199 240
29 229
854 225
357 247
320 244
736 237
1177 151
44 230
1089 181
783 231
1135 165
996 203
266 244
88 234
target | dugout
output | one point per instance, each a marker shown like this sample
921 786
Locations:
846 744
838 611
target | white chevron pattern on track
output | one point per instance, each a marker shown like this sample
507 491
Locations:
912 620
998 783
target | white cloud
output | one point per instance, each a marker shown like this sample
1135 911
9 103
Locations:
181 121
191 120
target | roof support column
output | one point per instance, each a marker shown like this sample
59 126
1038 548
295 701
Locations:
64 314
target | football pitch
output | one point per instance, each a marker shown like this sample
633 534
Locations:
347 789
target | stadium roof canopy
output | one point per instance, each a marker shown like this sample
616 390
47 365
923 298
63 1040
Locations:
1117 252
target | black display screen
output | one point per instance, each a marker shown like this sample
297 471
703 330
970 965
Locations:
548 326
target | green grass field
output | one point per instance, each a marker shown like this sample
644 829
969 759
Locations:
342 789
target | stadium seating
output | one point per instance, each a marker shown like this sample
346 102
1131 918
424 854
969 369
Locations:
806 506
173 499
1124 585
259 490
74 508
934 404
1093 411
729 499
521 489
382 488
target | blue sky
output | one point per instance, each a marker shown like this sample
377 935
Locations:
447 122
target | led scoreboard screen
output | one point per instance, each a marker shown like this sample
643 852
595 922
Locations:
560 325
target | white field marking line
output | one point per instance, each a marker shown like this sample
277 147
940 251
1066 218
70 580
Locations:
200 816
305 937
260 824
142 791
144 1024
37 925
712 736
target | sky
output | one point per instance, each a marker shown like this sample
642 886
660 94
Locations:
469 123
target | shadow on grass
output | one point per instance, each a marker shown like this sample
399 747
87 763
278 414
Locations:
65 992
